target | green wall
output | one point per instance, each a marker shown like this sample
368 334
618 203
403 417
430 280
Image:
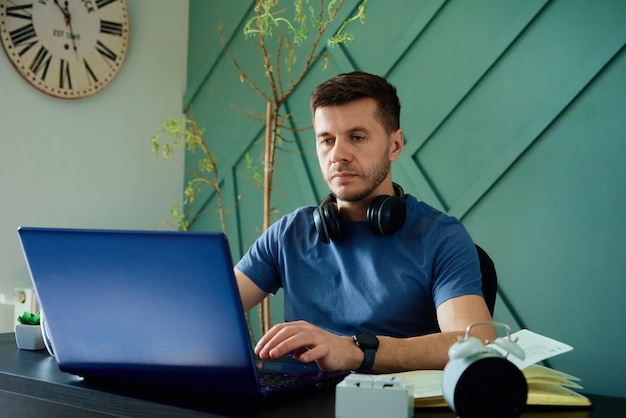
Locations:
514 119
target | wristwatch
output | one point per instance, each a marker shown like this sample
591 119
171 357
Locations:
369 344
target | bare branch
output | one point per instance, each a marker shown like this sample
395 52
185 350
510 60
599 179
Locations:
242 74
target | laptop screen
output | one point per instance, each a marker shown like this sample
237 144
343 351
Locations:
137 304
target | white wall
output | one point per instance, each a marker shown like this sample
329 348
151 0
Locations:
87 163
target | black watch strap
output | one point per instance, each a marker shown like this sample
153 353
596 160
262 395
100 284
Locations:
369 355
368 343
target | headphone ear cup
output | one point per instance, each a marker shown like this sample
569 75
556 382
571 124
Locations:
386 215
327 221
320 225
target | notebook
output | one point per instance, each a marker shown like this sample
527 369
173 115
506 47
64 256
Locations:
152 307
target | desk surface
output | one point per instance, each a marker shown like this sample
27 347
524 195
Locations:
32 385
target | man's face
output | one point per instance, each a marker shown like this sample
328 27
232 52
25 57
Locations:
353 149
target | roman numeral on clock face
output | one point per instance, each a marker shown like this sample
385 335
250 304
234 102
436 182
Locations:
21 36
41 62
111 28
105 51
24 11
102 3
65 80
91 77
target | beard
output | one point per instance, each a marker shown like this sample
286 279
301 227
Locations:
372 177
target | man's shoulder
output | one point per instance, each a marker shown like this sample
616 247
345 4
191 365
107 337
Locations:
299 218
425 211
300 213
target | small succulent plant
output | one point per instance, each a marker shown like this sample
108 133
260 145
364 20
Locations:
28 318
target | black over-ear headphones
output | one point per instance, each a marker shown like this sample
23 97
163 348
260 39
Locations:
385 216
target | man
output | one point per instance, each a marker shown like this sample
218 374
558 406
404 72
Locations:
360 294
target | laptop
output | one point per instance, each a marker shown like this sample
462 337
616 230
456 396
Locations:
152 308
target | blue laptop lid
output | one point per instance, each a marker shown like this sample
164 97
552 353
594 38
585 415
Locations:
146 306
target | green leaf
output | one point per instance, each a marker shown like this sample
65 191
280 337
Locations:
28 318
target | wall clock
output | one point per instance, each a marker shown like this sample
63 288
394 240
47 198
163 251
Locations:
66 48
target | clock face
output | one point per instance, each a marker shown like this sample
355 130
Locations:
66 48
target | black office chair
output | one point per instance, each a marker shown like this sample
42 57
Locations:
489 278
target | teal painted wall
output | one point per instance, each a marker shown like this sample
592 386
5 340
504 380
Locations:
514 115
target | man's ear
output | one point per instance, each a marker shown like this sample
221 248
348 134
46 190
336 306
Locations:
396 144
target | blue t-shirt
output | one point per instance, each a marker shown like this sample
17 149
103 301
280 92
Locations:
386 285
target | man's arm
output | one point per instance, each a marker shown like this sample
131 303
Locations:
333 352
431 351
251 294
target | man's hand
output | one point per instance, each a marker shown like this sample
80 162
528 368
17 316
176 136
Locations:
309 343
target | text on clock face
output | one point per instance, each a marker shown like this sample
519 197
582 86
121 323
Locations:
89 4
64 34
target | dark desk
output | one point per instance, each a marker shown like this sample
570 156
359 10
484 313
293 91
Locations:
31 385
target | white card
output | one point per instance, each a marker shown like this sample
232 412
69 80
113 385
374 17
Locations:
536 348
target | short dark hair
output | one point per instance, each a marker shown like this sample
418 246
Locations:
348 87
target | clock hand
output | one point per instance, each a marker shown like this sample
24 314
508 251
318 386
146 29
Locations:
66 14
69 22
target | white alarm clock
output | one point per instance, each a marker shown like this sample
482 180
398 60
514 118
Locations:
479 381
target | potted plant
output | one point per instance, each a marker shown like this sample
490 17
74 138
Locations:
285 60
28 332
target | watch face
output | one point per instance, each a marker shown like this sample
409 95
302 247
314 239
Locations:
366 340
66 48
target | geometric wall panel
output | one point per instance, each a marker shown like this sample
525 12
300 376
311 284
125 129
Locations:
514 121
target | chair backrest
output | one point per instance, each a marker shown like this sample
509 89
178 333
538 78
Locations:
489 278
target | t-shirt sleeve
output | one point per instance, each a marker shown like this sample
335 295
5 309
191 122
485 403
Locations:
456 269
260 262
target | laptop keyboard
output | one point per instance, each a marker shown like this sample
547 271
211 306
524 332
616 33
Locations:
280 380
